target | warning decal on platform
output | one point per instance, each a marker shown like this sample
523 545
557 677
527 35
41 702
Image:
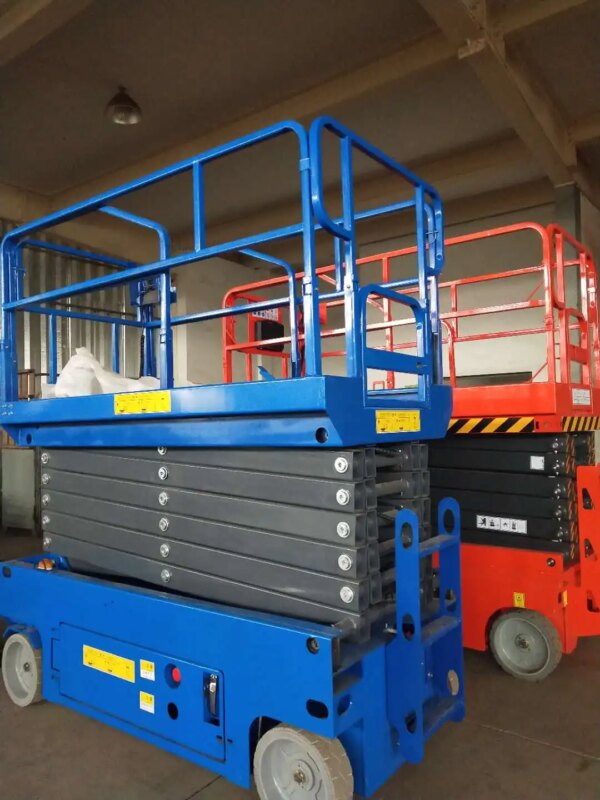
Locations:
580 424
491 425
397 421
503 524
581 397
117 666
147 670
143 403
147 702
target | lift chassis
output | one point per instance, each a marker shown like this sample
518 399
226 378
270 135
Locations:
564 591
204 681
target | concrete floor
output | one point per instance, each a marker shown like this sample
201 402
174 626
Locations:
519 742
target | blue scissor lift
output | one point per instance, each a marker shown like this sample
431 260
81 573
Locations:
320 706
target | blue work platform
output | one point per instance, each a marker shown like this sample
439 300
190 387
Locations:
199 679
309 409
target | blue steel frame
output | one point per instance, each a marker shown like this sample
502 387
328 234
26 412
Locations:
309 408
383 700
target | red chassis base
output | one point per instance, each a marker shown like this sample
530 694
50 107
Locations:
500 579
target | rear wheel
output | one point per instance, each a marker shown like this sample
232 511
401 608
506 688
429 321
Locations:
22 670
292 764
525 644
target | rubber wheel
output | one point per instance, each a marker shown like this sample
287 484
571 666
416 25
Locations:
22 670
525 644
292 764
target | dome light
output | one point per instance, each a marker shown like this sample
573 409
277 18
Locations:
123 110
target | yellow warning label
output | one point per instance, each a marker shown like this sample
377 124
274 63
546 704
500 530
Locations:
397 421
147 702
143 403
519 599
147 670
109 663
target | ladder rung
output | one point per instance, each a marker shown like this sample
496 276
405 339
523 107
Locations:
438 628
436 715
436 543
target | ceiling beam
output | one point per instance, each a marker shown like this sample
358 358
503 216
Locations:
27 22
586 129
507 82
513 88
524 14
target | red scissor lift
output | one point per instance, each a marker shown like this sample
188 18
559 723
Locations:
528 598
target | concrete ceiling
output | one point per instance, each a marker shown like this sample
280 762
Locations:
566 56
408 120
477 96
191 66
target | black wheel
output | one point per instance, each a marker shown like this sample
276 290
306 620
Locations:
525 644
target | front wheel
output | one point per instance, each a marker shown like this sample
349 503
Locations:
292 764
22 670
525 644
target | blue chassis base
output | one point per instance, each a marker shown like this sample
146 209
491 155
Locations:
383 703
278 413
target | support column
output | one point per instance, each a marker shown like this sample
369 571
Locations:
567 208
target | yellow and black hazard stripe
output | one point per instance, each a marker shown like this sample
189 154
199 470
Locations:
491 425
579 424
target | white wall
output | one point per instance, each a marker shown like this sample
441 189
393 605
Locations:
18 487
198 347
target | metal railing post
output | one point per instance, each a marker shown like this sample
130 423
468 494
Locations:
52 351
115 342
166 333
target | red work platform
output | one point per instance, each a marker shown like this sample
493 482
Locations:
517 599
550 594
563 393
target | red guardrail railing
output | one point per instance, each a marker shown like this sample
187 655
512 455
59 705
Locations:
571 332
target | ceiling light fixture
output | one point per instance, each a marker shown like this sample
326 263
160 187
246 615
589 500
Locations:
123 110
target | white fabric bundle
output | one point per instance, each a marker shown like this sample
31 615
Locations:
83 374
